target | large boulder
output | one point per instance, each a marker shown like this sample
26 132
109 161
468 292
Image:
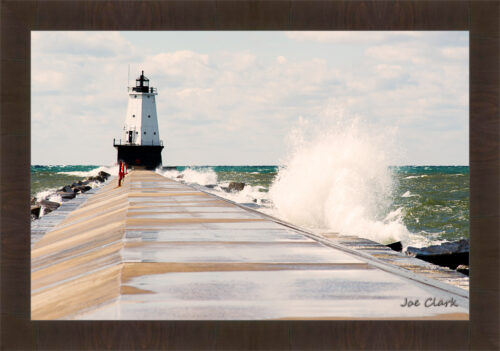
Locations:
449 255
464 269
235 186
66 195
35 211
397 246
66 189
81 188
97 178
49 206
103 174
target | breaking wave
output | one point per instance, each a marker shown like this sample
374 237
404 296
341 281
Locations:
113 170
336 178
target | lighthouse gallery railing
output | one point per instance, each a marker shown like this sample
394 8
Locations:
119 143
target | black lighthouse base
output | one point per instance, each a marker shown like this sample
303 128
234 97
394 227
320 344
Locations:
140 155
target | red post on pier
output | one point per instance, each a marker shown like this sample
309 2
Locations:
120 173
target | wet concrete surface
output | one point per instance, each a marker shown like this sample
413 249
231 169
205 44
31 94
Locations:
398 259
269 295
186 255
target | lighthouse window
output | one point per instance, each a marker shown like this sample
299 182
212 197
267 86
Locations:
144 133
154 133
149 116
133 115
135 96
136 132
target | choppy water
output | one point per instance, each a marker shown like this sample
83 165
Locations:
435 201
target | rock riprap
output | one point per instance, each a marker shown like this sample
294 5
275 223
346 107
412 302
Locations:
44 206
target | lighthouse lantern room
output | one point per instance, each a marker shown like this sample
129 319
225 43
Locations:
140 144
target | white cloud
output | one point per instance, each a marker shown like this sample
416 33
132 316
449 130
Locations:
81 44
395 53
47 80
190 92
236 61
186 64
281 59
388 71
349 37
455 52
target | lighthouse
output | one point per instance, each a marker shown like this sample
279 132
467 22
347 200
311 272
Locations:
140 144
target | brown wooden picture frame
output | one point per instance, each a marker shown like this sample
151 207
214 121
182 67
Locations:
480 18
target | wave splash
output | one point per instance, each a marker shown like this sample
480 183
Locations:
201 176
337 178
250 195
113 170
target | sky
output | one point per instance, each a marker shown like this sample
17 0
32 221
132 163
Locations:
233 97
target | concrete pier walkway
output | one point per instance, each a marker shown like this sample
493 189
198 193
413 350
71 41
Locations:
158 249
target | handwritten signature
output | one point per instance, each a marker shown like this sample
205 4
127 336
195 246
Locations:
430 302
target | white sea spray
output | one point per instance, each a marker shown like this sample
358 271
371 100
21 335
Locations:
249 194
207 176
112 170
44 195
419 176
201 176
336 178
408 194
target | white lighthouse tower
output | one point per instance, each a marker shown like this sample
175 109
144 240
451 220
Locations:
140 144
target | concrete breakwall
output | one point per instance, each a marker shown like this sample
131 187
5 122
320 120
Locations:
158 249
77 265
